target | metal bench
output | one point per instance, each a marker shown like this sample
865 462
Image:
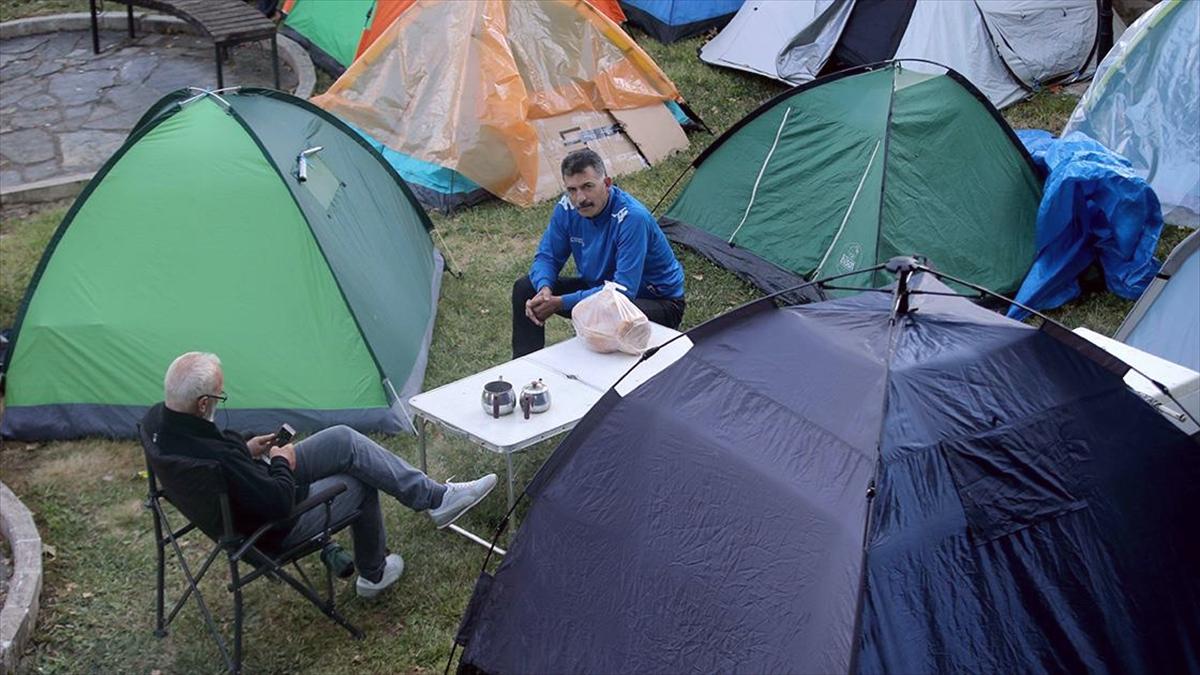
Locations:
226 22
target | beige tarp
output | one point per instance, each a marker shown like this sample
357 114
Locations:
500 91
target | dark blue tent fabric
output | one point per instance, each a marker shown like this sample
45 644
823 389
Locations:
1029 513
1094 208
671 20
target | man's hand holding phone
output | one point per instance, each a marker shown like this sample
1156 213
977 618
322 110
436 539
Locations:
287 452
281 445
260 445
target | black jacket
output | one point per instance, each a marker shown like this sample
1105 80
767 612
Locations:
258 492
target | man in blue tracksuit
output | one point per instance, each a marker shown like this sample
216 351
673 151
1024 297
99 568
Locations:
612 237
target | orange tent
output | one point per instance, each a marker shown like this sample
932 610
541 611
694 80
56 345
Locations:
611 8
499 91
386 11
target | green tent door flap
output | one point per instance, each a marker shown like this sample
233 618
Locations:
198 235
847 171
329 30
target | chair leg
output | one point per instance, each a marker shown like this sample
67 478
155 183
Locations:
236 582
193 587
327 608
160 630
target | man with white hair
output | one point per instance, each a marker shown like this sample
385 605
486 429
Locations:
264 491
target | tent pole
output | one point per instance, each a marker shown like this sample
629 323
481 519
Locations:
1104 41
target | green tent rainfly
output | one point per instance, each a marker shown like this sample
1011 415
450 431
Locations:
318 292
850 170
330 31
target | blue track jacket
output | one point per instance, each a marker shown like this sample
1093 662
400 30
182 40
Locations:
623 243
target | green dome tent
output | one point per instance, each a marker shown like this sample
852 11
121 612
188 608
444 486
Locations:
852 169
315 281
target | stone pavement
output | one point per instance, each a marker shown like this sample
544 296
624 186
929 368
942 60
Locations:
64 110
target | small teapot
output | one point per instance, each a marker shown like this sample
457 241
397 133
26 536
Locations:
498 398
535 398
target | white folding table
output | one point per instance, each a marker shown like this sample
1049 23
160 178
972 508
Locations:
576 376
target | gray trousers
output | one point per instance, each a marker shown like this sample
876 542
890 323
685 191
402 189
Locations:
342 455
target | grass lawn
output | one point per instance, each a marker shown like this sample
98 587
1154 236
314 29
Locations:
97 601
16 9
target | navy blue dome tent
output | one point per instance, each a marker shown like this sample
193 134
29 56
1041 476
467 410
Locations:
897 481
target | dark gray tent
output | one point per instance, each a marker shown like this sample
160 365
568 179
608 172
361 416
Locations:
847 487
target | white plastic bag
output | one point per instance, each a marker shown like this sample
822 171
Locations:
608 321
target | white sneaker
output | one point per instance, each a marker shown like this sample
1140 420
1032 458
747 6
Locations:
459 499
393 567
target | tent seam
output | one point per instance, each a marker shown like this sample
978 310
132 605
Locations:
873 488
887 146
771 103
853 200
761 170
316 241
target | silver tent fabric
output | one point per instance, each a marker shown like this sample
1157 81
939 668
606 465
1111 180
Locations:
1006 48
954 34
1145 105
1040 41
1166 319
753 39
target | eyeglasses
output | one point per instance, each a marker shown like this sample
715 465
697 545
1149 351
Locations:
220 397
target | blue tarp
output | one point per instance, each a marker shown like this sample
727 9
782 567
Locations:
1094 208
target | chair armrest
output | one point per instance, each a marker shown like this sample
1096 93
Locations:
321 497
309 504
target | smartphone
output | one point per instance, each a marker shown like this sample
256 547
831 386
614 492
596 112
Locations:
284 435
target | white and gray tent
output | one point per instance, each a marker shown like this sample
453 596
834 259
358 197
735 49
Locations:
1006 48
1166 319
1145 105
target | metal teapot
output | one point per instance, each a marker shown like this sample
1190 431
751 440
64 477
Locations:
535 398
498 398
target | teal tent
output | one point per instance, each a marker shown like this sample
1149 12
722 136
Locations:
849 170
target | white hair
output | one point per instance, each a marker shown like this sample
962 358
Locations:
189 377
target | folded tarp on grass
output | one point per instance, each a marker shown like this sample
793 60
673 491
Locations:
1095 208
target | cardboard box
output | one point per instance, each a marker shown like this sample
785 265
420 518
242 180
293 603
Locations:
628 140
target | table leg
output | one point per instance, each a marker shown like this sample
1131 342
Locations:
421 443
508 465
463 532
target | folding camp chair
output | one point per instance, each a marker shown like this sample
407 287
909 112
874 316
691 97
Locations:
198 490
